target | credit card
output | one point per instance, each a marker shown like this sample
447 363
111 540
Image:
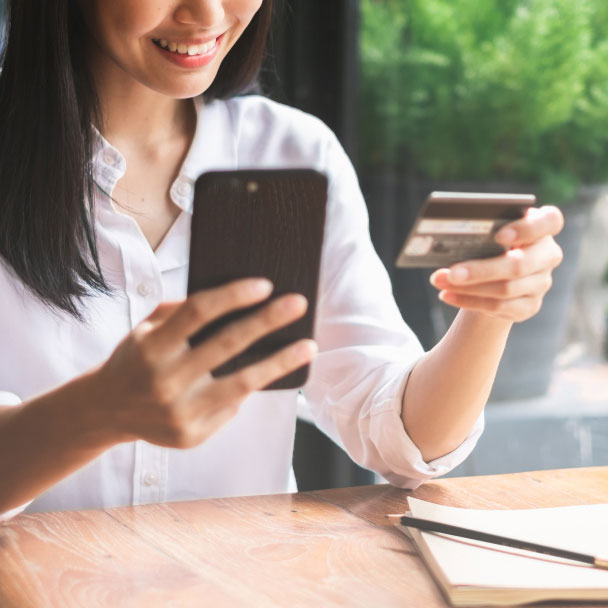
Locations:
456 226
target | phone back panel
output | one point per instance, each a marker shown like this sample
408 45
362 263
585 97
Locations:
259 223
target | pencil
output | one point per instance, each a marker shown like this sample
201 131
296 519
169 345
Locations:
428 525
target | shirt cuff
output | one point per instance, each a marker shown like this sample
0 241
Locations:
8 399
11 399
13 512
404 464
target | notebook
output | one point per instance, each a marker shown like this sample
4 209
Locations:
472 573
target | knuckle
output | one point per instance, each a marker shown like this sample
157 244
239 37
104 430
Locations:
162 309
196 310
558 255
287 362
271 315
236 292
263 321
179 428
495 306
164 394
535 306
556 217
182 439
144 351
232 409
506 289
228 341
528 309
139 333
244 382
517 266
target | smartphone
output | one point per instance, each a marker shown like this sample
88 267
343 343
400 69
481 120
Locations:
259 223
456 226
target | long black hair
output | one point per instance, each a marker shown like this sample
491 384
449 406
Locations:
48 105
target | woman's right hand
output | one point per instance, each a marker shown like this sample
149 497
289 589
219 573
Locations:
155 387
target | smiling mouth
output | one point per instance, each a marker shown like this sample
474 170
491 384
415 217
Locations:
187 49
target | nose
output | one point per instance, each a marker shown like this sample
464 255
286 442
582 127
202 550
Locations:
202 13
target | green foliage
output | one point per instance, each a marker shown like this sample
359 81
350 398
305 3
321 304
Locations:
498 89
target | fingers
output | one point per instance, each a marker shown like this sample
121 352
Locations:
514 264
538 223
236 387
510 286
514 310
161 313
538 283
239 335
204 307
219 400
515 300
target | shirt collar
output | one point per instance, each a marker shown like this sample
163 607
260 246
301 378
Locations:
213 148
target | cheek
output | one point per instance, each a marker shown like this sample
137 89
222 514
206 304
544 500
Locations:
120 20
243 10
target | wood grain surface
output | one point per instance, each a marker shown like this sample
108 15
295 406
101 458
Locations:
329 548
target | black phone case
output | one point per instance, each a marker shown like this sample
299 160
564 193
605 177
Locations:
259 223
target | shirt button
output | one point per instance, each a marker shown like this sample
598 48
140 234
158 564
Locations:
109 158
144 289
183 188
150 479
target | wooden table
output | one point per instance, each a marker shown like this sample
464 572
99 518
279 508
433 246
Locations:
329 548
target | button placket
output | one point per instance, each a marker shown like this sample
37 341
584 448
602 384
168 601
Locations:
184 188
144 280
150 478
181 191
145 289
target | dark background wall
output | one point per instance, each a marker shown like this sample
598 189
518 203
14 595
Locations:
312 65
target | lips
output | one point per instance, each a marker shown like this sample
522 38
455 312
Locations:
189 54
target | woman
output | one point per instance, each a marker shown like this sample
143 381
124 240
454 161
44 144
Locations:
109 110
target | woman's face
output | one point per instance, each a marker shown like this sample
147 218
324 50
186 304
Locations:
174 47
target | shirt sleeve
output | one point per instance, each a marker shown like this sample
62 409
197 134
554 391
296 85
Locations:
366 351
7 400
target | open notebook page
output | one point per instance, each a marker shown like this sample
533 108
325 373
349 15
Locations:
465 562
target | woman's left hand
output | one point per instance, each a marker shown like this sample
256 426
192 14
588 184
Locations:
510 286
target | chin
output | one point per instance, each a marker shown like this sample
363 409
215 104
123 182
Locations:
186 90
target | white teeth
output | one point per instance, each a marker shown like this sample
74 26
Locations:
189 49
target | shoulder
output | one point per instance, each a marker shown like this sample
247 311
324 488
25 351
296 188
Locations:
268 130
256 111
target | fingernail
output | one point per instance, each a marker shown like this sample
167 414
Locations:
433 278
307 349
506 236
261 287
458 274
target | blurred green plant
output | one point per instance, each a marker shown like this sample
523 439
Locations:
513 90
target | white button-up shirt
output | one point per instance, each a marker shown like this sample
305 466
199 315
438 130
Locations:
357 380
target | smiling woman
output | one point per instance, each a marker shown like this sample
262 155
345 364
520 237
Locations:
129 39
67 112
110 110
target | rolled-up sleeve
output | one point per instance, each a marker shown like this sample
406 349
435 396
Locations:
366 351
8 400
